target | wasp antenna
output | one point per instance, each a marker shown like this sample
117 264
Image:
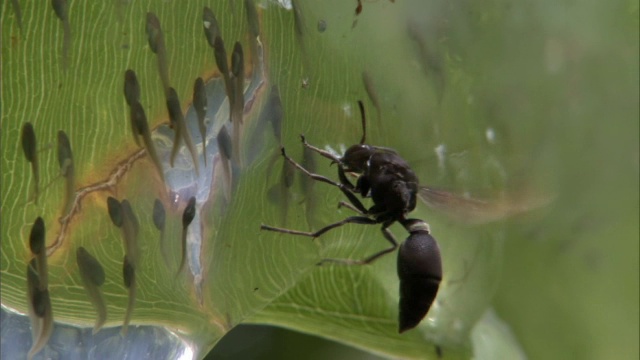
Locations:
364 122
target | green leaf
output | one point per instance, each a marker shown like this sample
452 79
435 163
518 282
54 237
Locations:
464 94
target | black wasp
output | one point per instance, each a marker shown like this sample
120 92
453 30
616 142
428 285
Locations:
393 186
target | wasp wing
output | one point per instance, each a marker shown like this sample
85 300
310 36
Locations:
475 211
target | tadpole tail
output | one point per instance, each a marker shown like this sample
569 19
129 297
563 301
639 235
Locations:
70 190
101 309
176 144
227 178
36 179
191 147
163 68
46 328
183 257
203 132
130 305
151 150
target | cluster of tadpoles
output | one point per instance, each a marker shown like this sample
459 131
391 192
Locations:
61 10
123 217
233 77
38 298
65 160
91 272
121 212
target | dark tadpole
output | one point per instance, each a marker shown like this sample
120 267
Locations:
237 69
179 126
175 113
129 279
61 9
141 128
130 229
189 212
29 147
132 95
92 275
90 267
155 36
40 311
37 236
226 150
128 272
37 239
220 55
252 18
131 87
237 107
33 286
65 160
224 143
115 211
210 25
159 220
200 105
65 155
187 217
159 215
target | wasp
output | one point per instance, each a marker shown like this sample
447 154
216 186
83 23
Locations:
385 177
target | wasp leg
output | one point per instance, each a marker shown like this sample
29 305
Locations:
324 153
350 220
349 206
368 260
345 190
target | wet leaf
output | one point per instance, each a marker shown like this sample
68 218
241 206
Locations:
505 109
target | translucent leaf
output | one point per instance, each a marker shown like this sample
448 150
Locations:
464 121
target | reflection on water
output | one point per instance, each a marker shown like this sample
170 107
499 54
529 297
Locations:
71 343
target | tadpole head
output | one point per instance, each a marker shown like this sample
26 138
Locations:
41 302
189 212
210 24
154 32
131 87
37 236
115 211
28 139
128 272
90 266
159 215
65 156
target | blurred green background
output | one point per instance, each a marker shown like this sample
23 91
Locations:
531 100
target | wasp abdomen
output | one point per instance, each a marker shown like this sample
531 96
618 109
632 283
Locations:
420 273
